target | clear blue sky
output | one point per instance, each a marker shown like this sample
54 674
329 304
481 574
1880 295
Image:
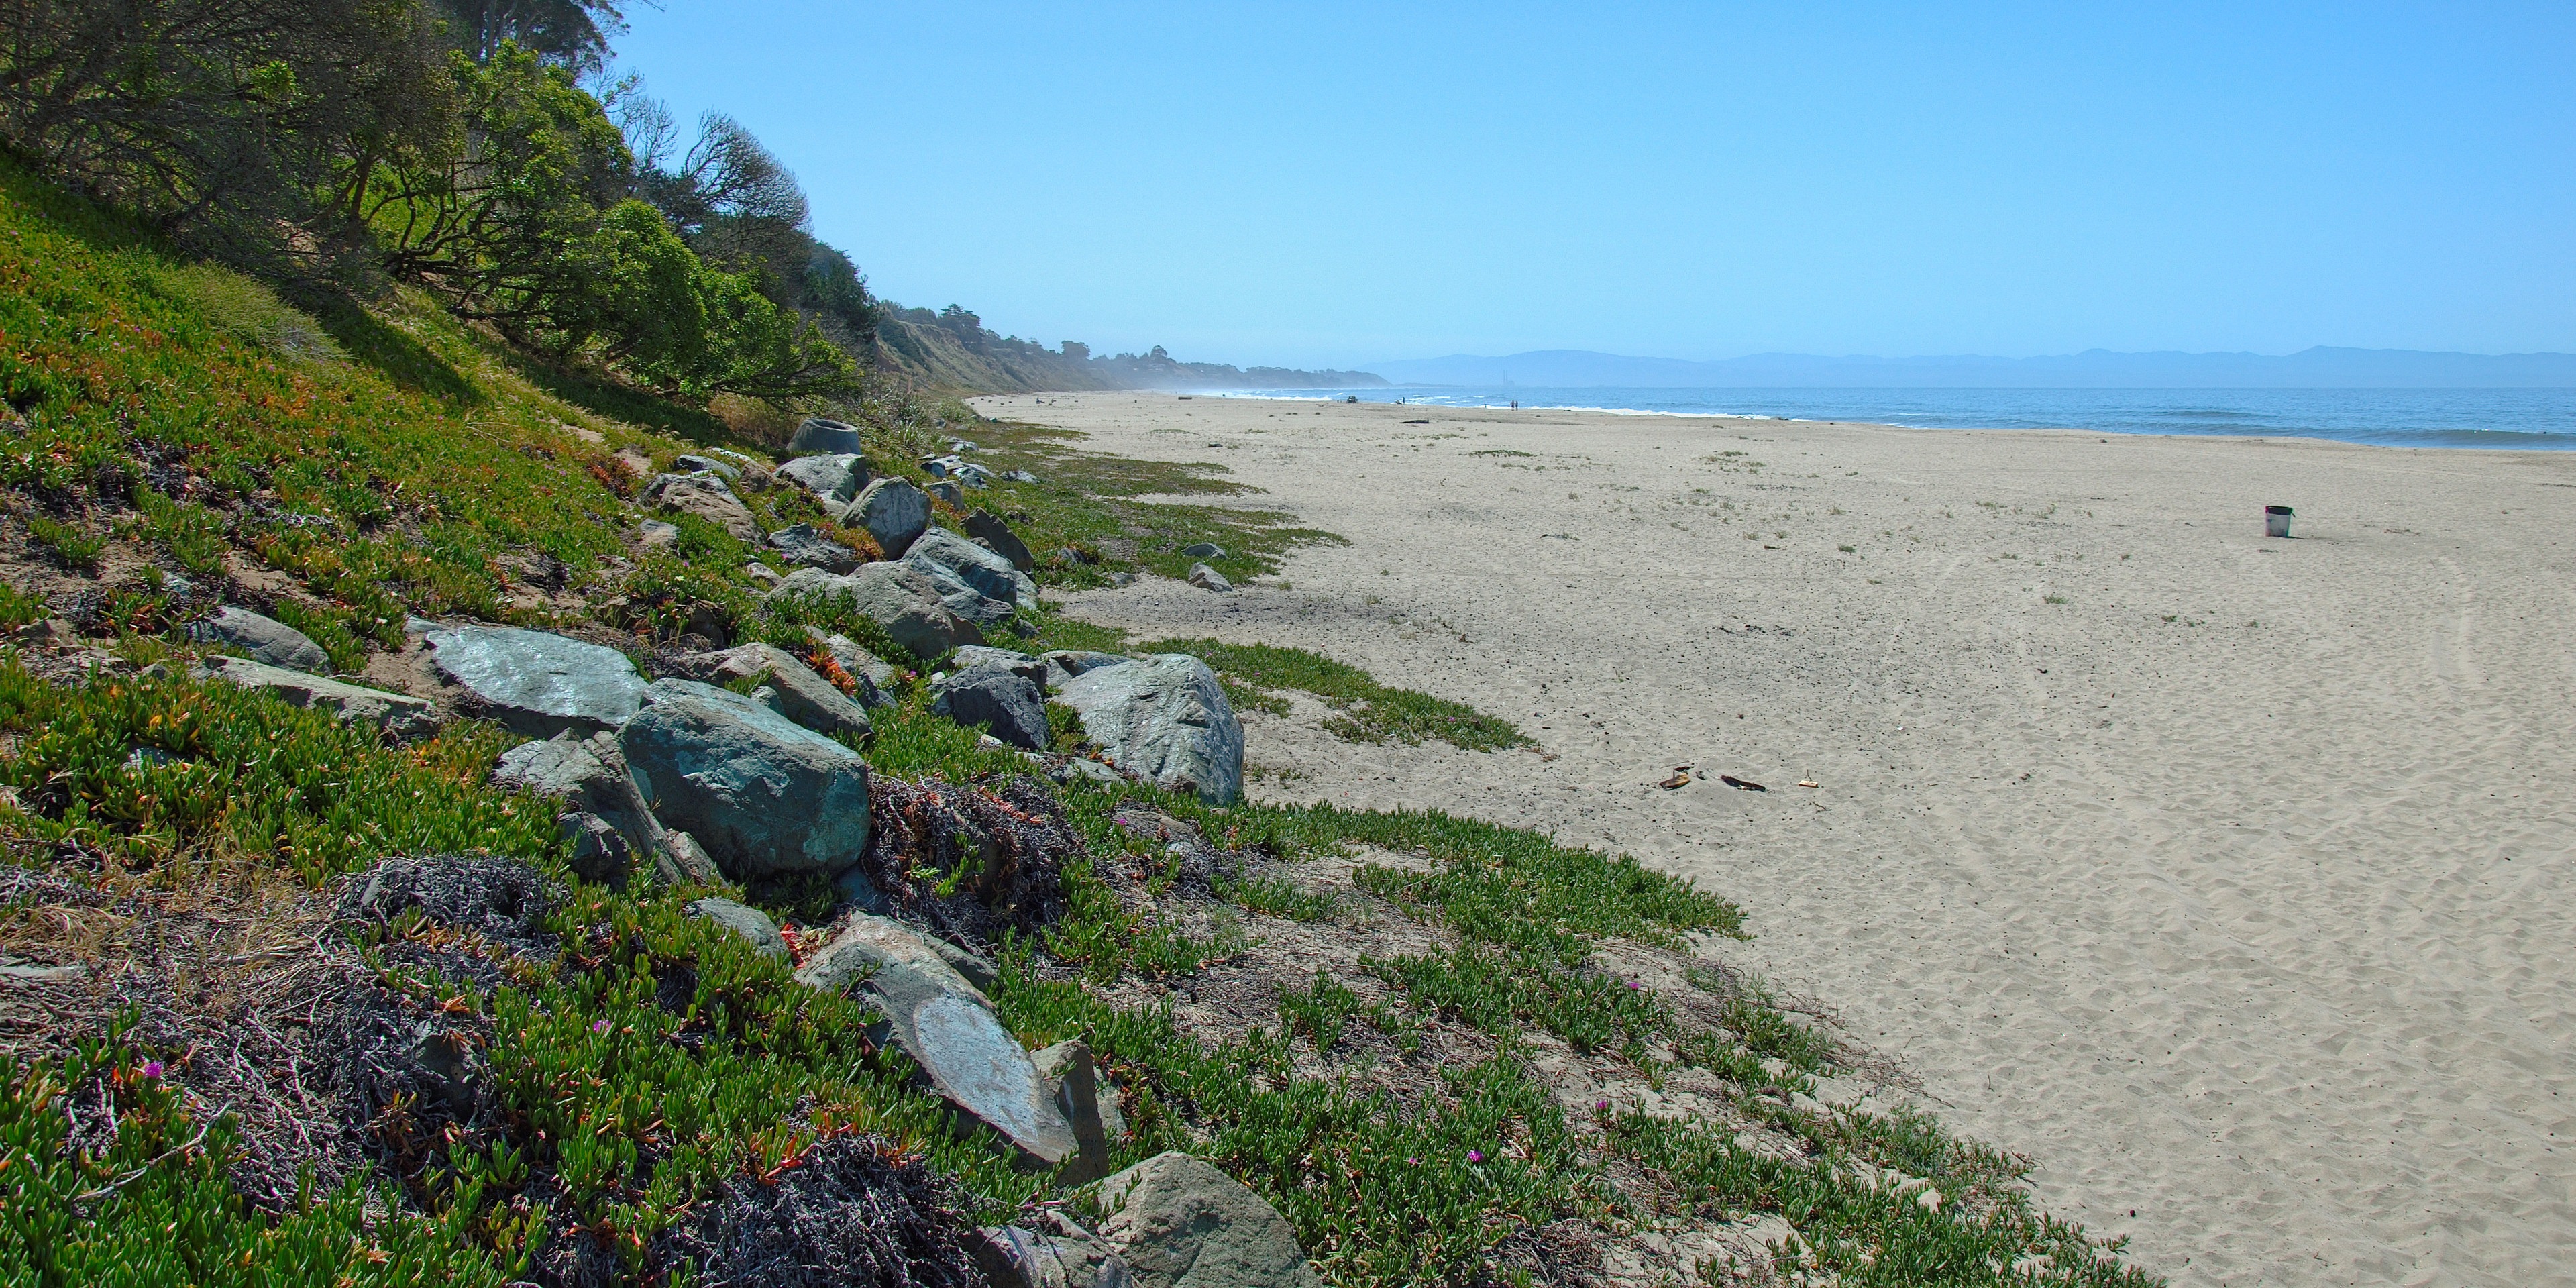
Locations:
1330 184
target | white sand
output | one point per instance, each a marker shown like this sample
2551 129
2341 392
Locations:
2239 889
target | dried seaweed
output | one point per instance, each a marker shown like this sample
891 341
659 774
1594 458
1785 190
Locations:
969 861
848 1213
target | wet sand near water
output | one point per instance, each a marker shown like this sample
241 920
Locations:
2232 879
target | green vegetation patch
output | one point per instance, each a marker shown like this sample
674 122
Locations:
1364 710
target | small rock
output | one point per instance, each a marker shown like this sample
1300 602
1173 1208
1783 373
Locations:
764 795
684 862
792 688
805 544
761 574
587 773
1179 1223
399 715
1013 1256
708 465
653 533
1166 718
1079 1094
835 479
893 511
706 496
1019 476
536 683
1204 550
1206 578
751 923
973 475
997 698
600 854
939 467
1069 555
1017 663
996 536
1122 579
899 597
950 491
818 435
1076 767
264 638
874 674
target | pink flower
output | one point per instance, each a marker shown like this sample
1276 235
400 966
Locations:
1475 1156
1634 984
601 1027
1603 1106
152 1068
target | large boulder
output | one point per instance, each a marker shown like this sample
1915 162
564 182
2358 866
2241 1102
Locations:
1063 664
899 597
893 511
399 715
1011 660
536 684
996 698
1179 1223
588 773
835 479
707 496
991 575
1165 718
265 639
817 435
765 796
996 536
1059 1255
805 544
789 687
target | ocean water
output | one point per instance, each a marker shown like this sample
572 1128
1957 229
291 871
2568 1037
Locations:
2510 419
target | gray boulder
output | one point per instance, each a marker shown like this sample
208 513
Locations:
889 957
600 854
875 675
535 683
1206 578
791 688
817 435
805 544
835 479
893 511
753 925
1061 1256
948 490
399 715
899 597
587 773
996 536
265 638
1165 718
762 574
764 795
989 574
1179 1223
684 862
706 496
1087 1103
997 698
1065 663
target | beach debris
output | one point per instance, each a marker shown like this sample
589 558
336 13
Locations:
1417 422
1681 778
1741 784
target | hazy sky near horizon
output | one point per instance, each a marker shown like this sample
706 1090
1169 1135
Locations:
1328 184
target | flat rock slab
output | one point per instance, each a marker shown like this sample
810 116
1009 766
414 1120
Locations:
892 960
982 1070
791 688
397 714
805 544
1179 1223
996 536
265 639
537 684
1165 718
764 795
706 496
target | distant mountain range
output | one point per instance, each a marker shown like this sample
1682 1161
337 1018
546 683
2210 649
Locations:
2318 368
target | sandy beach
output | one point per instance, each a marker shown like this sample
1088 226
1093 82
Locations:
2232 879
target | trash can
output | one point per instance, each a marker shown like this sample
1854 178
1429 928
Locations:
2276 520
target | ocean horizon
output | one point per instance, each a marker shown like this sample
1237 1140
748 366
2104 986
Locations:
2497 419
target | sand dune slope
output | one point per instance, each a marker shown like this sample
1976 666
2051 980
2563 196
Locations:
2233 879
